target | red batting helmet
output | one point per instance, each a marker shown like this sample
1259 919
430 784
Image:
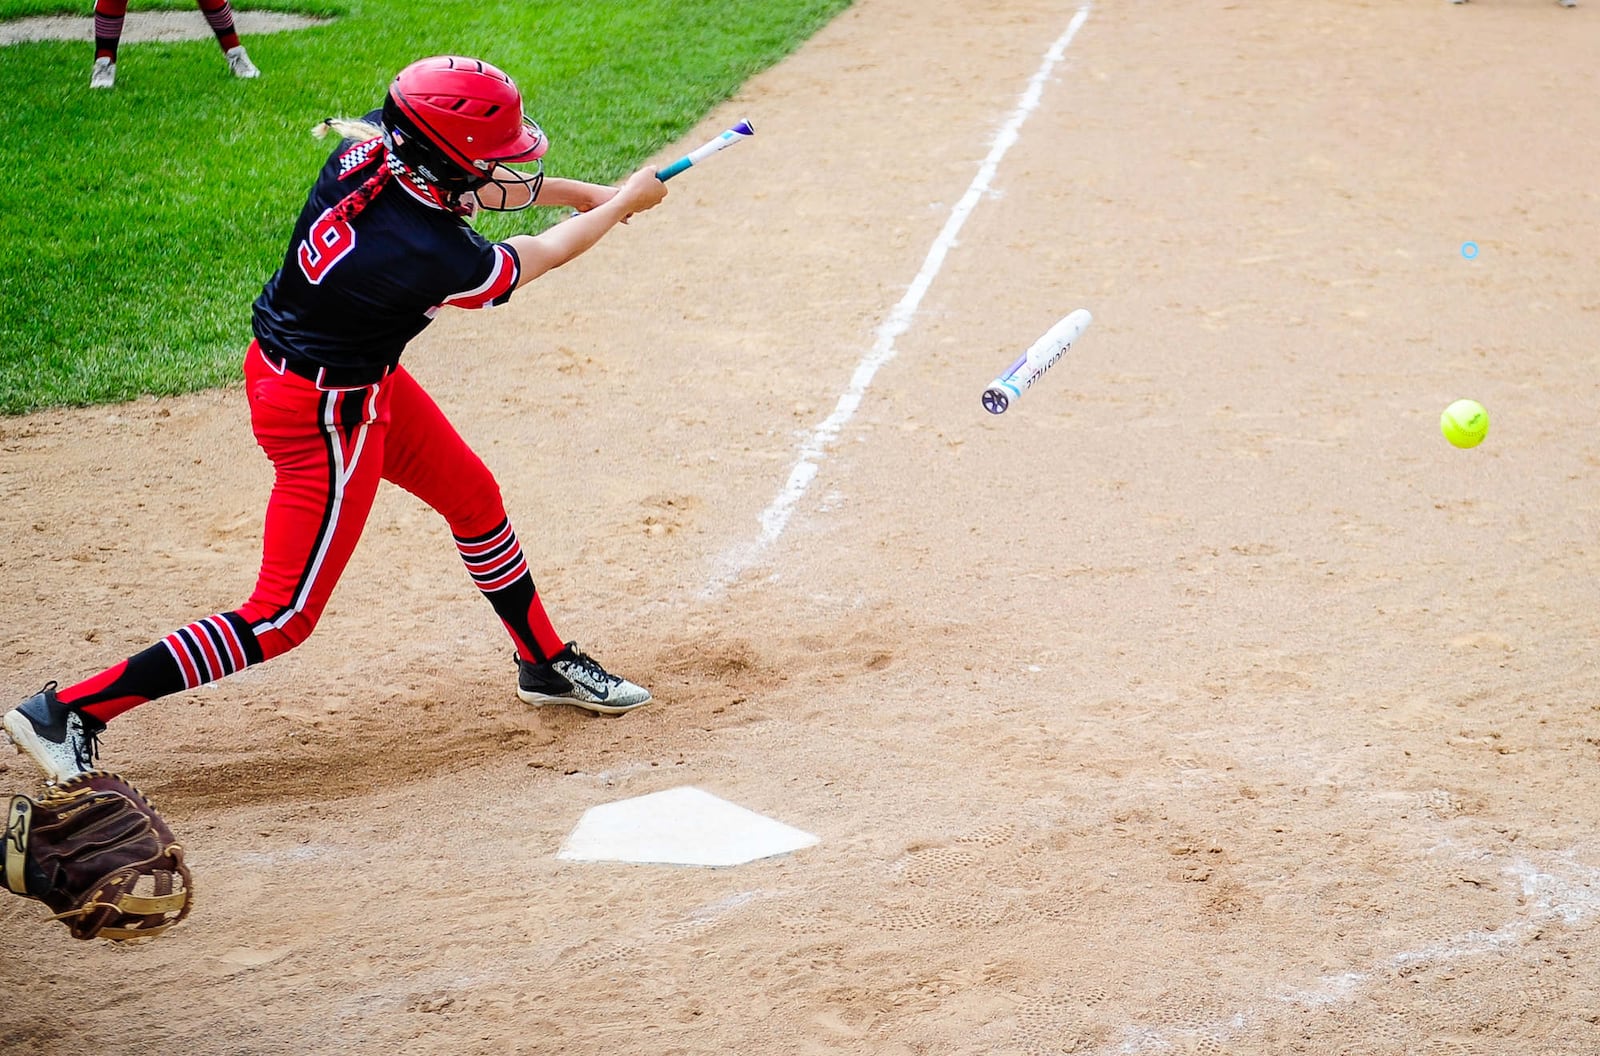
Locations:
456 120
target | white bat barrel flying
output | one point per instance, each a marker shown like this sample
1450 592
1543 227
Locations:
1031 365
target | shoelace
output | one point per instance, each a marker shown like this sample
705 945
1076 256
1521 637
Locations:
592 667
91 745
88 727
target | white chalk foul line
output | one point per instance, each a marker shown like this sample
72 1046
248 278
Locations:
1565 889
776 516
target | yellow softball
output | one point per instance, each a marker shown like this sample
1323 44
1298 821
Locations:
1464 423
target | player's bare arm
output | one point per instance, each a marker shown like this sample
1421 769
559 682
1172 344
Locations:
553 248
574 194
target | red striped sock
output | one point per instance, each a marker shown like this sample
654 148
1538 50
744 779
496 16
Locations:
191 656
108 17
219 15
494 561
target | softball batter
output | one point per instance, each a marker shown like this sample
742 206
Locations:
382 243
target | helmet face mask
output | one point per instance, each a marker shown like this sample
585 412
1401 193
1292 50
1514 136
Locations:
455 121
497 189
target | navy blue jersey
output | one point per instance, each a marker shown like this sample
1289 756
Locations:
353 293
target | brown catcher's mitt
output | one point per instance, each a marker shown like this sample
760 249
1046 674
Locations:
96 852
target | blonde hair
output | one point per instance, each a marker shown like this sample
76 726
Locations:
348 128
352 204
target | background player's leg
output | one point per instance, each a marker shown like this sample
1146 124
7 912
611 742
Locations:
219 16
108 17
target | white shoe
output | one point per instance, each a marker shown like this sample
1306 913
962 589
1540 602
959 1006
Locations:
62 741
574 677
104 74
240 63
1567 3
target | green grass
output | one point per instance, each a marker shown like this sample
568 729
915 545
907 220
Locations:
138 225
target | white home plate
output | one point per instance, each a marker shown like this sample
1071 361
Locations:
681 826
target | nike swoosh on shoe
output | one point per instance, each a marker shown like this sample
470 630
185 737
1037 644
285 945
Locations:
599 690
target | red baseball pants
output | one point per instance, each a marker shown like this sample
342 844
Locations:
331 448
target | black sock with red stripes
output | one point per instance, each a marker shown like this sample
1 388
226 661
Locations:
494 561
191 656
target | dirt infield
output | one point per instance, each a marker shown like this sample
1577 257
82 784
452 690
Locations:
1207 702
